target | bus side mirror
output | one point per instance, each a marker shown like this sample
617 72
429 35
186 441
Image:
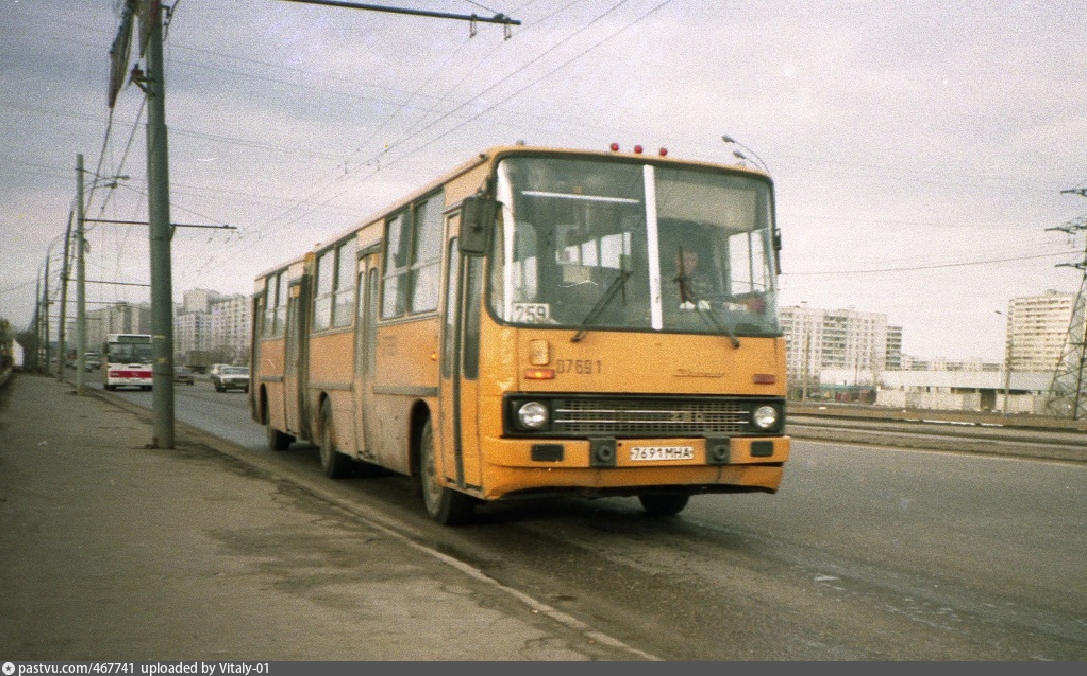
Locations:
777 249
477 216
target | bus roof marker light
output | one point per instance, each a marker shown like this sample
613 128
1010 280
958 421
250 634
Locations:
663 152
615 147
637 150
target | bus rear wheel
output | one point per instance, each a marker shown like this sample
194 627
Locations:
334 464
443 504
657 504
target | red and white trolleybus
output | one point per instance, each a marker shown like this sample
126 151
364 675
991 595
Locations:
126 361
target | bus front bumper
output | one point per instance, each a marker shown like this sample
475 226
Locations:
608 466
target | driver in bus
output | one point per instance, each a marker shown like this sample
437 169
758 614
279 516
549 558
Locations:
693 285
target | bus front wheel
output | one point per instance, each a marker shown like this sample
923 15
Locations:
656 504
443 504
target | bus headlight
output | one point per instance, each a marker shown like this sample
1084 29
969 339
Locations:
765 417
533 415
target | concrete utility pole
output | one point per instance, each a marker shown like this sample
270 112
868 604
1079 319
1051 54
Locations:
64 291
162 309
81 284
45 307
32 360
153 84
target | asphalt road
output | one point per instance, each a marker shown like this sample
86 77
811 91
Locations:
867 552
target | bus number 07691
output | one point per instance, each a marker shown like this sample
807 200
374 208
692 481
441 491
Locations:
580 366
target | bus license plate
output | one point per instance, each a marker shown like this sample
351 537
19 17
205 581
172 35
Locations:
655 453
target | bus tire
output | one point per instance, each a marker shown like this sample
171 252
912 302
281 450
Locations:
277 441
443 504
334 464
668 504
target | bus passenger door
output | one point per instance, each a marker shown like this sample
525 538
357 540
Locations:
292 349
256 337
365 351
459 385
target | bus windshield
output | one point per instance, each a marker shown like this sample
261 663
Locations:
133 353
591 244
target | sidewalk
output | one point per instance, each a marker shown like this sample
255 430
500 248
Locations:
113 551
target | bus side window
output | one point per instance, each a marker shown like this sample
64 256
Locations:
394 296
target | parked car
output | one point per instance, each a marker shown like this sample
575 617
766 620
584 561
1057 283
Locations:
184 375
231 378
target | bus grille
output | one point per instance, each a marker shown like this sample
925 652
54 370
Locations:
646 418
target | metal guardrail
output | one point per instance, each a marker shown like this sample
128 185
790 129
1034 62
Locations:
980 433
981 418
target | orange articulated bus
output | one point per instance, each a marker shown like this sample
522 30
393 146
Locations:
539 321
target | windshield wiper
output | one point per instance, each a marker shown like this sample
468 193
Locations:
710 316
705 311
609 293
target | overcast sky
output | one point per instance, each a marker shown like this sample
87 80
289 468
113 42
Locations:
920 151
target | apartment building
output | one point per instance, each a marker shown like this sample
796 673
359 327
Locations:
199 300
192 332
857 345
1037 329
231 321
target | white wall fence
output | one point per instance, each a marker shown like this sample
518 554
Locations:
953 401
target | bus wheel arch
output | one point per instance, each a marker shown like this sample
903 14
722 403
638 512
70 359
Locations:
276 439
444 504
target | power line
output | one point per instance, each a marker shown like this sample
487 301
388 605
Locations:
511 74
531 84
417 132
913 268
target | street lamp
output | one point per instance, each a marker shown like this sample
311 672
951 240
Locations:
45 307
739 155
81 283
